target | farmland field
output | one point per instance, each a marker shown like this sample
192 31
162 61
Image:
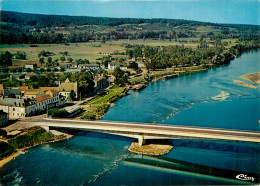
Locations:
90 50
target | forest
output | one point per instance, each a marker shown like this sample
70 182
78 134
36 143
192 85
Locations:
18 27
181 56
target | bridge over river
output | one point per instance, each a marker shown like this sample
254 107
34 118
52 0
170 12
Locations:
143 131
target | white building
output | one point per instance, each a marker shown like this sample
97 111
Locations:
66 87
31 66
15 108
20 108
113 65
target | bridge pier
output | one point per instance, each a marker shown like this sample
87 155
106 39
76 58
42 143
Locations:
47 128
141 141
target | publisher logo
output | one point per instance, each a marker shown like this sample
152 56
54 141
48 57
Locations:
245 177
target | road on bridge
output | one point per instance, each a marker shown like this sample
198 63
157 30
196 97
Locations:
151 131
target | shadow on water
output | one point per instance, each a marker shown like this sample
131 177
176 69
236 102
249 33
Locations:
172 165
239 147
182 167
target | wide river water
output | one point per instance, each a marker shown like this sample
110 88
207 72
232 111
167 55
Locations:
208 99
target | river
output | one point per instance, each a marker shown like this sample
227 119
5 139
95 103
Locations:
208 99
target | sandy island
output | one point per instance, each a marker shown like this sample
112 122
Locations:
153 147
253 77
245 84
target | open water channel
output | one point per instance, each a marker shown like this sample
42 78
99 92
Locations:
208 99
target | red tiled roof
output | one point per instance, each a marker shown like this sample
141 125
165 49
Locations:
42 98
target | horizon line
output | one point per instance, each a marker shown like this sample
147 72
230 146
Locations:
46 14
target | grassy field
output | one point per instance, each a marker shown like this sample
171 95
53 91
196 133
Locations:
137 80
90 50
76 51
152 42
97 106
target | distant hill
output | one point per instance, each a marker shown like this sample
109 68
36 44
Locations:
63 20
16 27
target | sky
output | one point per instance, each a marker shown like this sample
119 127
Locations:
215 11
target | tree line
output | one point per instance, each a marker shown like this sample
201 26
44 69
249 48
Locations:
179 56
35 28
42 21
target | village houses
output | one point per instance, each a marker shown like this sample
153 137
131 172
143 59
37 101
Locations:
113 65
22 107
19 102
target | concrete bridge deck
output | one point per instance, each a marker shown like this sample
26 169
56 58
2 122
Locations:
144 131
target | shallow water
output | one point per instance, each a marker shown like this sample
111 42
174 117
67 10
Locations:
208 99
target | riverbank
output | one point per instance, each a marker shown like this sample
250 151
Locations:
9 158
96 107
33 136
161 74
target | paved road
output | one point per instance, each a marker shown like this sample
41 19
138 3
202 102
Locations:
151 130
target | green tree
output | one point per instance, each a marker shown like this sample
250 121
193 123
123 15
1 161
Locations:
121 60
41 60
62 58
20 55
22 76
6 59
55 112
130 53
72 95
3 132
120 77
12 83
49 59
103 39
28 70
133 65
33 78
56 62
42 70
55 70
13 70
69 59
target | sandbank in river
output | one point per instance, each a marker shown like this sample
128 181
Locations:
152 147
252 77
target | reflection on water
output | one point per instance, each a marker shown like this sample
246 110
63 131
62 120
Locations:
185 168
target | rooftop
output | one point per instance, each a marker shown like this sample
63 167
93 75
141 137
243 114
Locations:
12 102
42 98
